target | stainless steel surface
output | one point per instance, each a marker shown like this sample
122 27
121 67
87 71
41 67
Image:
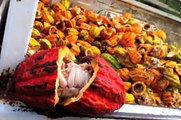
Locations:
20 20
3 14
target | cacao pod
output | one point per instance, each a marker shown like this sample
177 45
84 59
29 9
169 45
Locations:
38 82
172 78
124 73
134 55
128 39
66 4
127 85
94 31
111 60
140 75
167 98
159 51
161 34
178 103
138 88
130 98
178 69
159 85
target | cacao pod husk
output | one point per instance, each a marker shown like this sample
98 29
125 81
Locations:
36 84
172 78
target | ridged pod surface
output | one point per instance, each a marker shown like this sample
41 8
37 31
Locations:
36 84
35 79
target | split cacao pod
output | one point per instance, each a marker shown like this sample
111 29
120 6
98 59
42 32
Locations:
37 84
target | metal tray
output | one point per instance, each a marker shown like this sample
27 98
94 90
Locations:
16 39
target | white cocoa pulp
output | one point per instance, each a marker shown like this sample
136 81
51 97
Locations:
72 78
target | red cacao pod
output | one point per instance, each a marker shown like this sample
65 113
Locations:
37 84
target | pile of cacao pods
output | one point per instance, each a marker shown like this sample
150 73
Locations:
136 50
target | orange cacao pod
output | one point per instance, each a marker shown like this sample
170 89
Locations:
134 55
128 39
